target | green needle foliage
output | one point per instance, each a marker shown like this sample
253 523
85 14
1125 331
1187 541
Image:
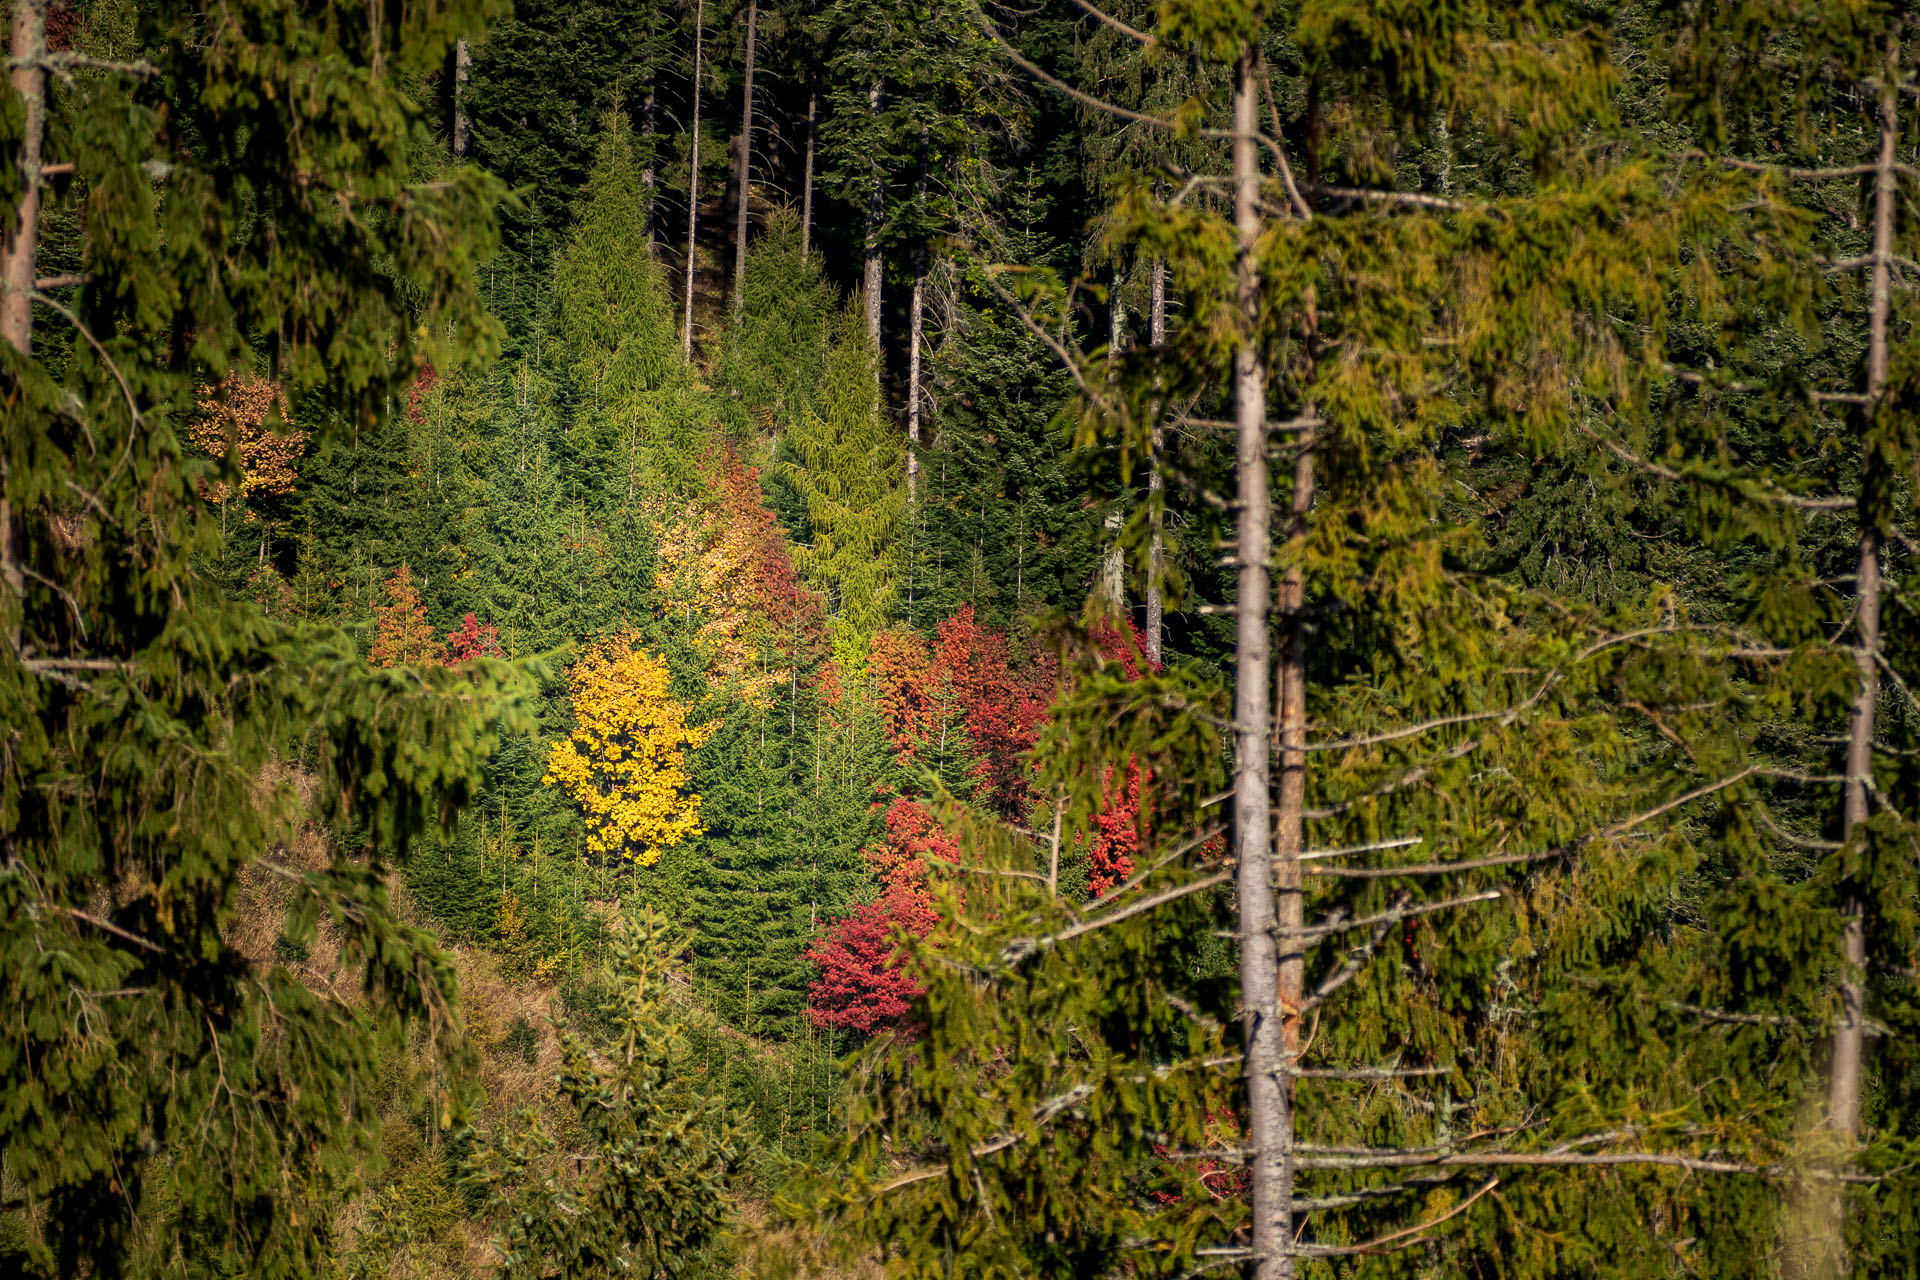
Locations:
172 1105
849 467
652 1197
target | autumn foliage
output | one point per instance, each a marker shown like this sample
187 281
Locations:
402 636
724 560
864 984
470 640
624 763
234 416
965 682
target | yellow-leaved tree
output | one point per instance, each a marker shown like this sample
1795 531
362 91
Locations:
625 762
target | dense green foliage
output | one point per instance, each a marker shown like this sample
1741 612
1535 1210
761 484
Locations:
1567 345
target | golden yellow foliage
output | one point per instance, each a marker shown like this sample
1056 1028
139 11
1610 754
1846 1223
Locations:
625 762
234 416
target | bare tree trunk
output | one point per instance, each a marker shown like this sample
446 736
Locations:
1156 484
20 243
915 326
876 210
1267 1119
1849 1036
693 173
649 116
19 260
746 162
462 72
806 167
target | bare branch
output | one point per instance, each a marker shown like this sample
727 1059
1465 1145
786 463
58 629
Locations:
1020 948
1367 195
1113 22
1398 842
1380 1243
1396 914
1046 1111
1765 493
1355 961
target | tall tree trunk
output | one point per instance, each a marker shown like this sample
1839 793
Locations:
1849 1036
1156 484
649 123
806 164
876 210
915 325
693 173
1268 1123
20 243
746 162
462 72
19 260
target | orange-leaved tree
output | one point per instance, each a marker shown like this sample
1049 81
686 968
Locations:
402 636
725 565
624 763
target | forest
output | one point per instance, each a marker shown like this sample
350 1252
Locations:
836 639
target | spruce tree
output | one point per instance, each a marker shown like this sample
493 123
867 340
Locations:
173 1103
845 468
774 350
1529 976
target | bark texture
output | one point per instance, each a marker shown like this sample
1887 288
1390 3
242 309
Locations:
1269 1125
19 260
746 161
693 173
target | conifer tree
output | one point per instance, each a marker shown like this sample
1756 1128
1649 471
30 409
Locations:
774 350
615 318
1459 809
845 470
654 1198
175 1104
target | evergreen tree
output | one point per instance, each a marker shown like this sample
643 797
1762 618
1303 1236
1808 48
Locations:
774 350
615 320
845 469
654 1198
1005 524
173 1103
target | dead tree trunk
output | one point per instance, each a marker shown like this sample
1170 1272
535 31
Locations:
1156 484
1269 1125
693 174
876 210
19 260
1849 1035
746 162
916 312
462 72
649 118
806 166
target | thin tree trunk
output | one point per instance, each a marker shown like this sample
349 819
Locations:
693 173
915 326
1156 484
19 260
462 72
20 245
1849 1036
649 116
876 209
806 166
1267 1119
746 161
